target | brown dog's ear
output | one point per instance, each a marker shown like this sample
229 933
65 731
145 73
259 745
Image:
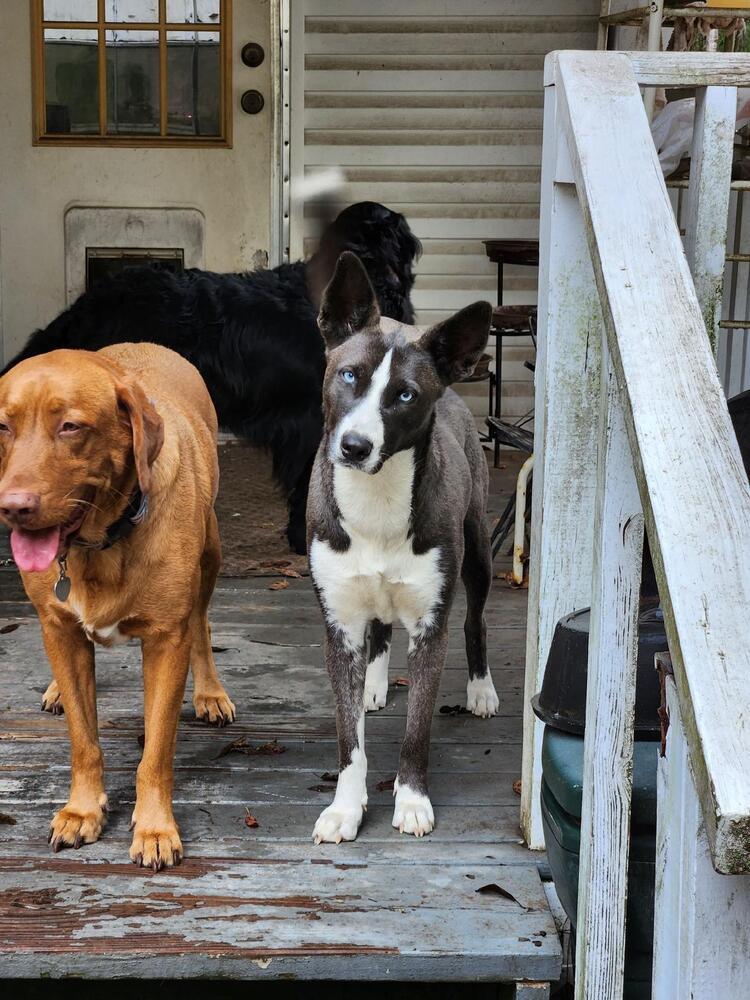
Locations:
147 429
349 303
457 343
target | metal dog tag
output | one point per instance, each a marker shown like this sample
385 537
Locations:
63 585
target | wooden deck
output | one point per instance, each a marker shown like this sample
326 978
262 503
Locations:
264 903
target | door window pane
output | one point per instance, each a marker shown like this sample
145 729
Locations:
144 71
70 10
131 10
193 83
133 82
71 81
193 11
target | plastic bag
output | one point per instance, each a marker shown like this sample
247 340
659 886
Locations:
672 128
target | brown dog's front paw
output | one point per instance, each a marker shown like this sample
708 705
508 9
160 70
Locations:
51 700
216 708
72 827
156 848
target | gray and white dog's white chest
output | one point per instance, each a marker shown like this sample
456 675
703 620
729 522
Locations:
379 575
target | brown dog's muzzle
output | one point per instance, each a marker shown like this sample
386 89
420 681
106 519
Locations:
34 542
19 507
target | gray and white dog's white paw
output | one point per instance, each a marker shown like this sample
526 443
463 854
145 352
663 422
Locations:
376 694
376 683
481 697
337 823
412 812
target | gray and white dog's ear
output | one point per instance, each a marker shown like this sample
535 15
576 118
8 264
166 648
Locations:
349 304
457 343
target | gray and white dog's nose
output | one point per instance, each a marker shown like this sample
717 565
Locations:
355 447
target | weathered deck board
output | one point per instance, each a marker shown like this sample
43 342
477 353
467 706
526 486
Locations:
265 903
252 919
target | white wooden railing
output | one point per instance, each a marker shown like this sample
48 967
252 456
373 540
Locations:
632 430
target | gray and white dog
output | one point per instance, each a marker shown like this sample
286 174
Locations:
396 511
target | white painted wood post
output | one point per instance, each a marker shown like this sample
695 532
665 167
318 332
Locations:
565 432
708 198
688 463
610 704
655 18
603 29
702 919
296 136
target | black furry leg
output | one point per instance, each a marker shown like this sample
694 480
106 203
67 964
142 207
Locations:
476 572
296 531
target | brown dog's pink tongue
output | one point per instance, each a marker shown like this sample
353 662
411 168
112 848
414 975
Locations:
34 551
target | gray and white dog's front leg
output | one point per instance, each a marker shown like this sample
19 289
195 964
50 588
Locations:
481 697
413 809
378 657
345 660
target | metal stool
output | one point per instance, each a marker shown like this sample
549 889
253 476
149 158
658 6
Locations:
514 513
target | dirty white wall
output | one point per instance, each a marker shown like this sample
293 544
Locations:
231 187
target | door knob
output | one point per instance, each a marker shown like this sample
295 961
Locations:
252 54
252 102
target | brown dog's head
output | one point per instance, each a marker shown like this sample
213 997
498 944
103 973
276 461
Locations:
76 432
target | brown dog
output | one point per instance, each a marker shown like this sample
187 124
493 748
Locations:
108 475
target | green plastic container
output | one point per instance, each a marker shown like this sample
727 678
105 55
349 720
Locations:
562 768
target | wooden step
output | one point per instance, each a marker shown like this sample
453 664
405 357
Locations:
304 914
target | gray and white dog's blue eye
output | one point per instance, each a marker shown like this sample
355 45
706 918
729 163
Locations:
406 396
348 376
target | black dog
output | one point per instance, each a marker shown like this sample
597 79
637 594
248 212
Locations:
253 336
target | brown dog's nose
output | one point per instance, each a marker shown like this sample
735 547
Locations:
19 506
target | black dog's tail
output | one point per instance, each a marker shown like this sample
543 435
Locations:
383 241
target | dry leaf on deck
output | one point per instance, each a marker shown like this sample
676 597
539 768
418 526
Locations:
279 585
240 745
401 682
453 710
250 820
493 889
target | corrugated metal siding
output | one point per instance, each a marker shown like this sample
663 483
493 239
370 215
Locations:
435 109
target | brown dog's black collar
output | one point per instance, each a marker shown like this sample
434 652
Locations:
134 514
